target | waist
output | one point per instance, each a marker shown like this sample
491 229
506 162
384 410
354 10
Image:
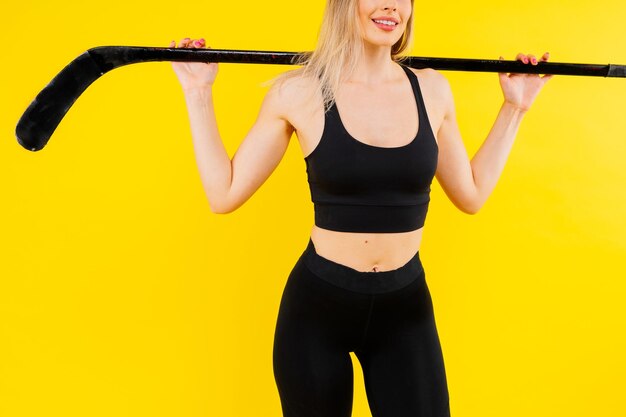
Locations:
365 282
367 252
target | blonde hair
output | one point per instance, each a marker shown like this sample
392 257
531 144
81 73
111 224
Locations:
339 48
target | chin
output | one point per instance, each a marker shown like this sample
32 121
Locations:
381 43
382 40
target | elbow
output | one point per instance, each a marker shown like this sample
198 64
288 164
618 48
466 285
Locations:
220 209
220 204
465 199
470 207
472 203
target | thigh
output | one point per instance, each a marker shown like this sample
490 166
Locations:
311 361
402 359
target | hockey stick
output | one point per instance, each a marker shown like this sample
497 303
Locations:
46 111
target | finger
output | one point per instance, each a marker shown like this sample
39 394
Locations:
533 59
522 57
173 44
503 75
545 56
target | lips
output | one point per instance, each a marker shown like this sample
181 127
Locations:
387 24
392 19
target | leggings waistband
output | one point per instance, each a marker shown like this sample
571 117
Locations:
364 282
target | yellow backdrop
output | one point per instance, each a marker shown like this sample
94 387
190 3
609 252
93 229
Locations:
121 294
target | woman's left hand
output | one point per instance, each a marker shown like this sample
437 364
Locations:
521 89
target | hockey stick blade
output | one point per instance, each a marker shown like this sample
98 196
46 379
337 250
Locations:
43 115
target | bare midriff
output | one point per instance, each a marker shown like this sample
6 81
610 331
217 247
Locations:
367 252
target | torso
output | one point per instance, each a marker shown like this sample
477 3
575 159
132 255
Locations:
381 116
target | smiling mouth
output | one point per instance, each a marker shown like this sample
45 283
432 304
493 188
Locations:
389 23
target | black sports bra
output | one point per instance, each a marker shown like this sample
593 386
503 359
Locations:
356 187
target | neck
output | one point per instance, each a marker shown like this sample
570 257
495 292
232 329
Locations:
375 66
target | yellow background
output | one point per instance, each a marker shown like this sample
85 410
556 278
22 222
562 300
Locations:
121 294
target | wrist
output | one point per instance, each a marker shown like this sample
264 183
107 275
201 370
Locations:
514 107
201 91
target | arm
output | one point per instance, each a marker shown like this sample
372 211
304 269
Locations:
467 183
228 184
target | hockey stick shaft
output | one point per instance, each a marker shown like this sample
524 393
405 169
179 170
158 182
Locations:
46 111
135 54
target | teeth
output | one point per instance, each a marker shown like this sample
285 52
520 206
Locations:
386 22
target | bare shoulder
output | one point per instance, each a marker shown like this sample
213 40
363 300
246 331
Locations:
437 94
291 90
433 81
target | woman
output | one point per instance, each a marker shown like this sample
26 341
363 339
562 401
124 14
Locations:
359 285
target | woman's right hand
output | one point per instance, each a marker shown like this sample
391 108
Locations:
194 75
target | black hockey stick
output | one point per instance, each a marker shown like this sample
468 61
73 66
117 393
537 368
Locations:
44 114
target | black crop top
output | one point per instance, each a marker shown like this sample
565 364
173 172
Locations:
356 187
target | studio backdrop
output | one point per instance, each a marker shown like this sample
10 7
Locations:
122 294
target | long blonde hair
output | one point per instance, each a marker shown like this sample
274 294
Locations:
339 48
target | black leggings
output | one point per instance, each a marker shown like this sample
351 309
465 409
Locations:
386 318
